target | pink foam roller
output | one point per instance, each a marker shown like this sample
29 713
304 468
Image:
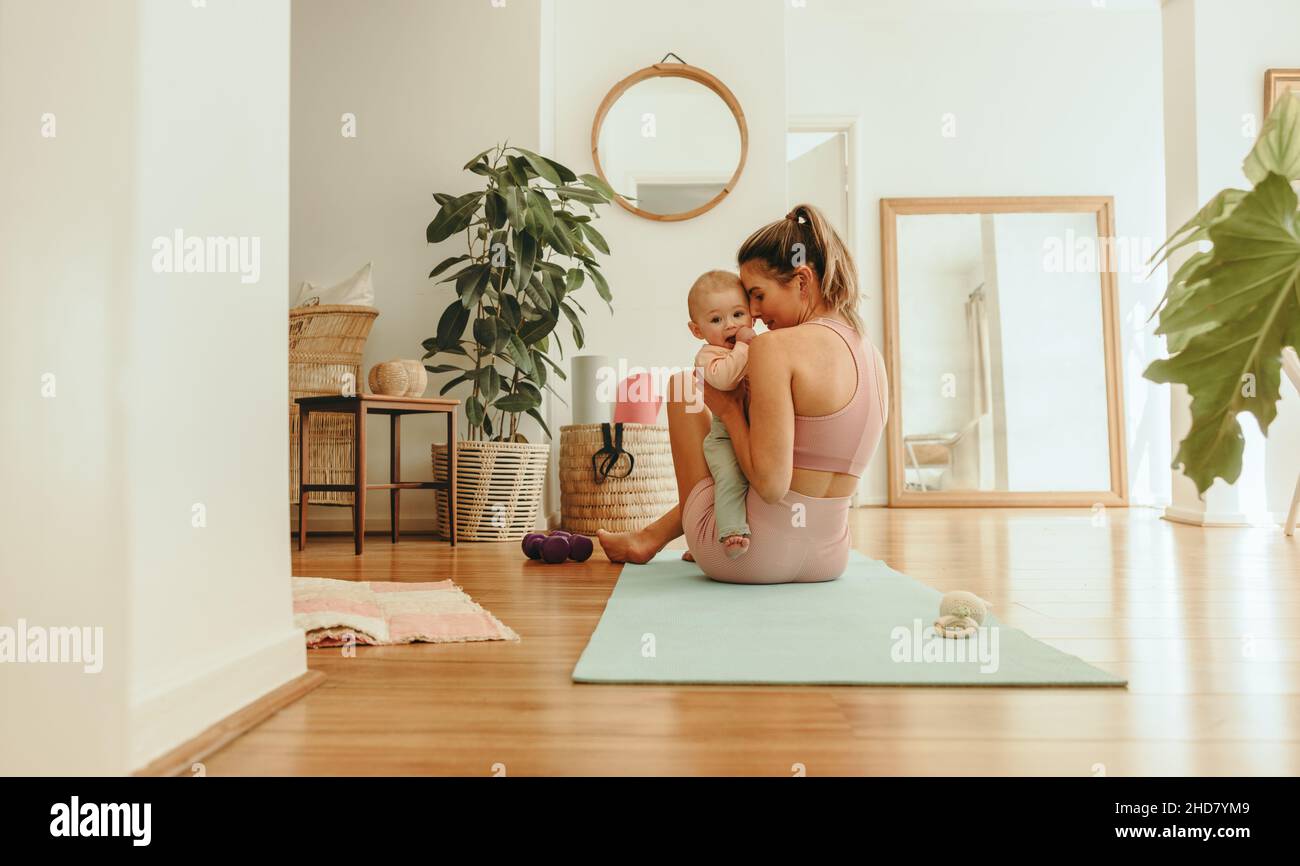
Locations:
637 401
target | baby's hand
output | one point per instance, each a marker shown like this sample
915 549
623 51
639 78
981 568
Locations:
745 334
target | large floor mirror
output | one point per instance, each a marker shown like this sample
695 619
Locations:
1001 335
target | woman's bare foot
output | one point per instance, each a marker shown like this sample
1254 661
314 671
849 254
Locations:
735 545
634 547
687 556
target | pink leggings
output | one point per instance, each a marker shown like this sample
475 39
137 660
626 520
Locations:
801 539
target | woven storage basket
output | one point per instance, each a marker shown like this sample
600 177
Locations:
498 488
616 504
325 346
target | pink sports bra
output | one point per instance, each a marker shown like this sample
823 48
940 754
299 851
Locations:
844 441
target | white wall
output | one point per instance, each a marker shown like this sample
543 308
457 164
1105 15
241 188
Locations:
169 387
212 617
1045 99
431 83
818 176
597 43
1218 54
65 237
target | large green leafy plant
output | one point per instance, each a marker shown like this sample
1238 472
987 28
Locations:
529 251
1230 309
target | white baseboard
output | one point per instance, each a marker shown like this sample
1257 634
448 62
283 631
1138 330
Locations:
167 715
1193 517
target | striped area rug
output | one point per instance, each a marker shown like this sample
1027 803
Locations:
336 612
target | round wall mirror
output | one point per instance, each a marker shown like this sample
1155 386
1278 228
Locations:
671 140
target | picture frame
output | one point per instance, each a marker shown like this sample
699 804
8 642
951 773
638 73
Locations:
1277 82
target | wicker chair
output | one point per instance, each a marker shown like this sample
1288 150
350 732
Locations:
325 347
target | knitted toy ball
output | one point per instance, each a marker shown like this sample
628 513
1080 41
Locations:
389 379
960 614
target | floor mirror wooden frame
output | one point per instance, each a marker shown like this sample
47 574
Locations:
1103 207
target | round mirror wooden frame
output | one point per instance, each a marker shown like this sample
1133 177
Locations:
672 70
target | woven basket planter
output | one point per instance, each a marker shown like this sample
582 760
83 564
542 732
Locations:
325 346
616 504
498 488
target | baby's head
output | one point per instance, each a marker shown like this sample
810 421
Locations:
719 307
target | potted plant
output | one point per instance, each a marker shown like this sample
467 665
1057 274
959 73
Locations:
530 247
1230 310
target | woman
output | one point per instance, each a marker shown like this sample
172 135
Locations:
817 405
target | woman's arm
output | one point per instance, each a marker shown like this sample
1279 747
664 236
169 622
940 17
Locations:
764 444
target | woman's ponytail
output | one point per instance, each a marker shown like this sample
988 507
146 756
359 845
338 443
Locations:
806 237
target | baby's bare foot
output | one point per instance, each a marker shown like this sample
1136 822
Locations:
626 546
735 545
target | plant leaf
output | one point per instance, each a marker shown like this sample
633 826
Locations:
489 383
471 163
540 207
573 280
599 186
510 313
494 209
443 368
455 216
1195 229
541 166
473 411
517 402
536 293
582 194
566 175
559 238
446 263
602 287
447 386
1277 150
1249 290
534 330
525 258
559 371
519 355
1179 287
528 389
537 416
575 323
518 170
596 238
516 207
471 283
485 333
451 326
538 372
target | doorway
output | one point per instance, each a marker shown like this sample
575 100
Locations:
819 157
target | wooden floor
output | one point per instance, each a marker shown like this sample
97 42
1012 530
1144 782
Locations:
1201 621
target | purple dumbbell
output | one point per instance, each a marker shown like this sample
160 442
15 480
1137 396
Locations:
555 548
532 545
580 548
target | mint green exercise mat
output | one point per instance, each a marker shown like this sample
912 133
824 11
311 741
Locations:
666 622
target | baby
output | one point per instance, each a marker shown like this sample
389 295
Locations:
719 310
